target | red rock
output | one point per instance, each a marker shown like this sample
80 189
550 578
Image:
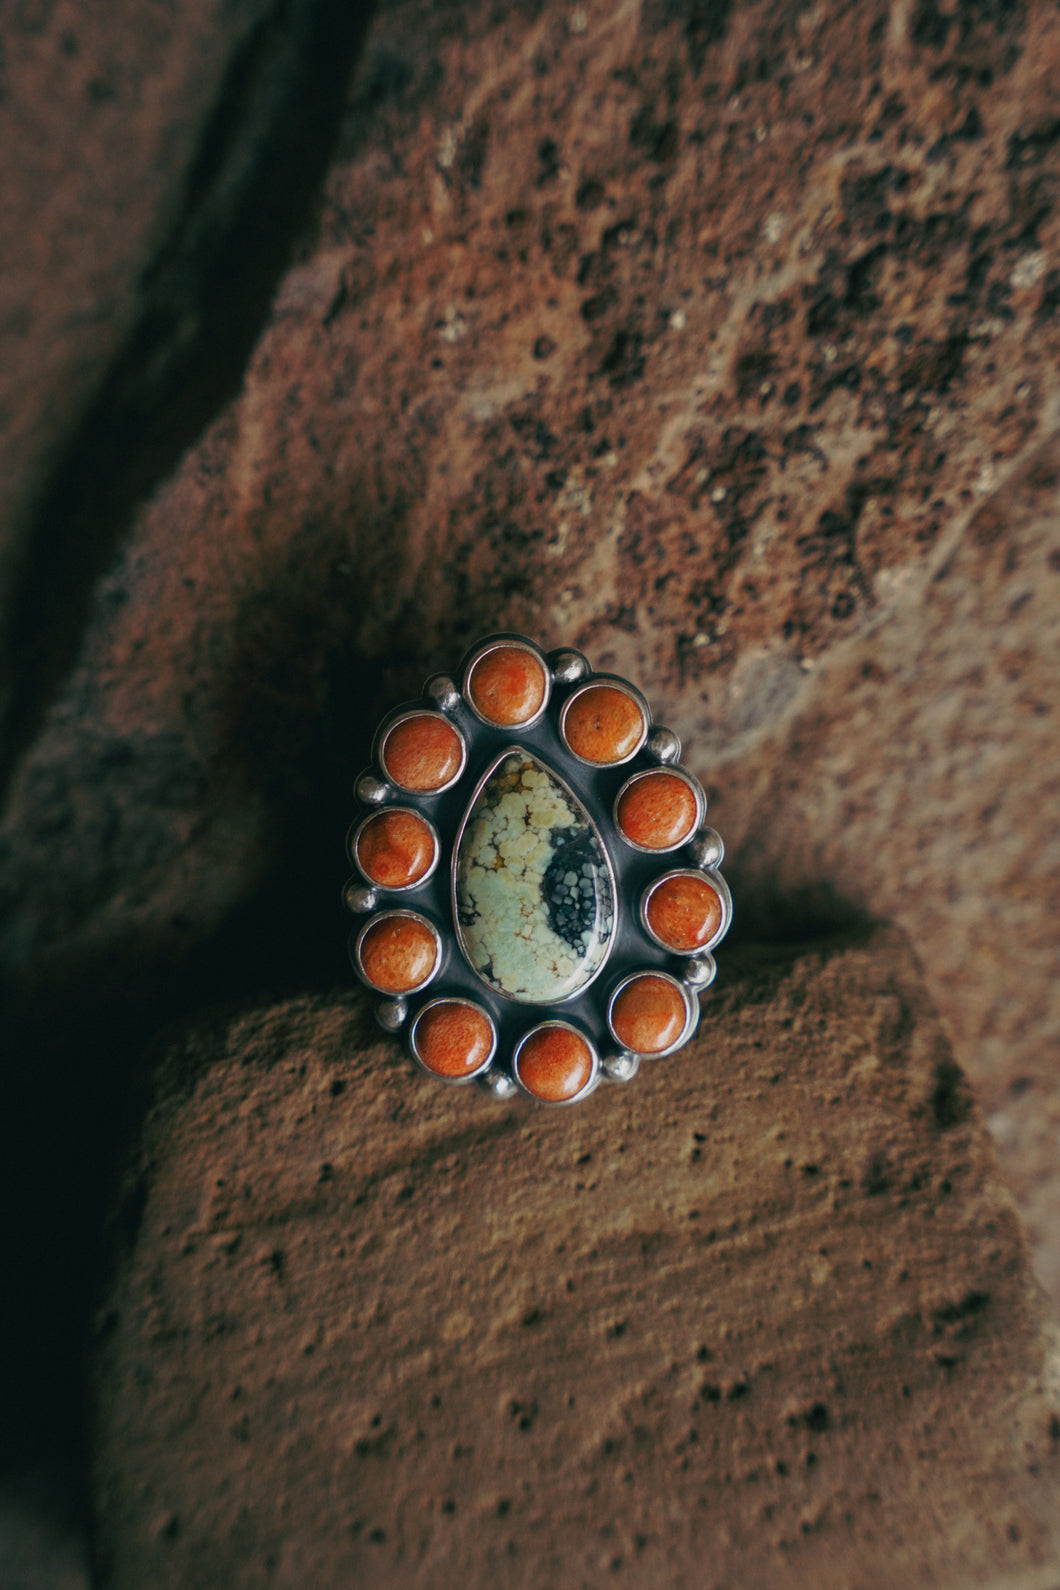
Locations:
399 952
508 686
649 1014
453 1038
395 849
658 811
685 911
604 724
422 753
438 1363
96 169
554 1063
387 478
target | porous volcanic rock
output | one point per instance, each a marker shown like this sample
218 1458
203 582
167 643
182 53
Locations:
916 778
703 337
762 1317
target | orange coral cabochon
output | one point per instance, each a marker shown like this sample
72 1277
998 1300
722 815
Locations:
554 1063
507 686
453 1038
649 1014
658 811
399 953
395 849
422 753
685 912
604 725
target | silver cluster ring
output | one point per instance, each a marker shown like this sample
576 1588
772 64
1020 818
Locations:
537 889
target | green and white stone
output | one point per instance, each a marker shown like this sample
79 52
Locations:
535 904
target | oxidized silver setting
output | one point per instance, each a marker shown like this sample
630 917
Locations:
455 1004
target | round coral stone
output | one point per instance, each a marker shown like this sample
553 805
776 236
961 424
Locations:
554 1064
649 1014
604 725
395 849
453 1038
685 912
507 686
422 753
399 953
658 811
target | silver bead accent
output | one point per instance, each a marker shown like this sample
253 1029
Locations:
707 849
391 1014
568 666
371 790
621 1067
358 899
499 1083
664 745
700 971
442 692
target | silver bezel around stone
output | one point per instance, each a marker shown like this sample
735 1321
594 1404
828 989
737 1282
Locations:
594 1054
377 889
507 643
608 681
510 751
387 730
653 772
716 881
453 999
384 916
691 1005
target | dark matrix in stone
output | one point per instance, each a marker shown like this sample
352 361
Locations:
571 888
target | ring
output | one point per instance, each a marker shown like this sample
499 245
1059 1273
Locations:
540 894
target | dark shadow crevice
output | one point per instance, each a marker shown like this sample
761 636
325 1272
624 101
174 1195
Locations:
72 1041
248 193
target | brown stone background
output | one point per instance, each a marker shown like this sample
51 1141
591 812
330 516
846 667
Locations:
718 339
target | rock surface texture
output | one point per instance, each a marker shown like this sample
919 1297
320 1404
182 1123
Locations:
761 1318
155 161
719 339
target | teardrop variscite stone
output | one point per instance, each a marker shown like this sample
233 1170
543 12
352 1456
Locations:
535 905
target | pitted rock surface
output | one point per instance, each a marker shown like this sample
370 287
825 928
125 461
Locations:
720 340
763 1316
701 338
